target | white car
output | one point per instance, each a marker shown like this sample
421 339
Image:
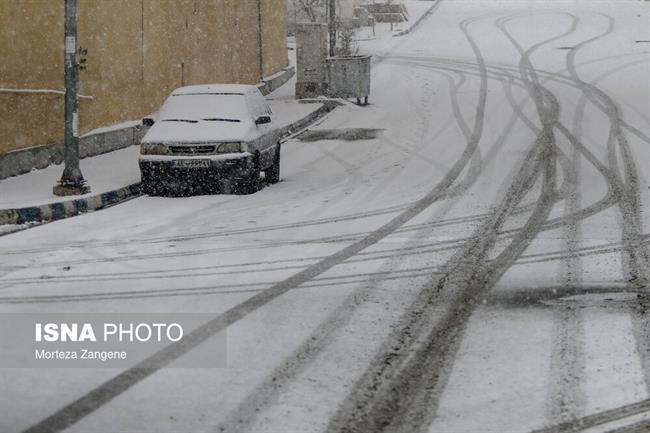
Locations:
215 137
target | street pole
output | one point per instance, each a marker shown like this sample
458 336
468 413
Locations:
331 14
260 40
72 181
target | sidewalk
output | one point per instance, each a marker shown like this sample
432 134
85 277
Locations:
115 176
385 38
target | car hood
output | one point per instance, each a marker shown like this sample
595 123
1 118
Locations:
203 131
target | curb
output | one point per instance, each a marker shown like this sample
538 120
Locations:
419 21
270 85
328 105
66 209
70 208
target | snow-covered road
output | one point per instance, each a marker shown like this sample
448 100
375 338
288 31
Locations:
479 266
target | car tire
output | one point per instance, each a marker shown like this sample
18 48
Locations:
274 170
251 183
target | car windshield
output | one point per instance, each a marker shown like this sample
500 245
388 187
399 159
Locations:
194 107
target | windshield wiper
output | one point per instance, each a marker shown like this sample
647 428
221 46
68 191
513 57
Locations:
218 119
180 120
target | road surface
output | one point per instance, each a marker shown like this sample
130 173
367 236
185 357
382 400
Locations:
480 265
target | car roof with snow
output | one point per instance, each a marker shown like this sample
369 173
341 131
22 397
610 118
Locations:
209 112
215 89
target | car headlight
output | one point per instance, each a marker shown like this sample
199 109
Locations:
229 148
154 149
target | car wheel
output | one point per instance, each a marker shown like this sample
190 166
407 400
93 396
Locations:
274 171
249 184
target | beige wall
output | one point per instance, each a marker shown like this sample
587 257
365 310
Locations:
274 35
138 51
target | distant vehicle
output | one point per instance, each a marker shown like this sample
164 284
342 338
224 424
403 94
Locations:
215 137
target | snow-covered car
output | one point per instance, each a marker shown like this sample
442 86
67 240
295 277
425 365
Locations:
215 137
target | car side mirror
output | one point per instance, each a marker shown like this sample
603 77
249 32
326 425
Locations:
263 120
148 121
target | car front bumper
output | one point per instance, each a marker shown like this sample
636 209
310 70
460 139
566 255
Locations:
212 172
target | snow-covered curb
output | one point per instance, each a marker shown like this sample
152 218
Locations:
69 208
328 105
419 20
275 81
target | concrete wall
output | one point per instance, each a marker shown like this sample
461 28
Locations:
138 51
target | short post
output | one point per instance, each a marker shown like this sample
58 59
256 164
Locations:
72 181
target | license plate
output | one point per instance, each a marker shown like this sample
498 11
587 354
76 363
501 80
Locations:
192 163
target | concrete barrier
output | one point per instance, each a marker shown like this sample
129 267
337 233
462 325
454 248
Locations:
68 208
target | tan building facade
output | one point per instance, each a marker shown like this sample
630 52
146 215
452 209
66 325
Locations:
138 52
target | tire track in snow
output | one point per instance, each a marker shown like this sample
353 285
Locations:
638 427
570 353
258 267
533 127
607 201
223 233
478 163
570 348
599 419
568 358
338 281
225 249
566 394
503 70
641 331
221 289
549 225
400 389
637 258
518 114
402 252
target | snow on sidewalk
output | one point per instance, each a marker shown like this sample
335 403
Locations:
103 173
